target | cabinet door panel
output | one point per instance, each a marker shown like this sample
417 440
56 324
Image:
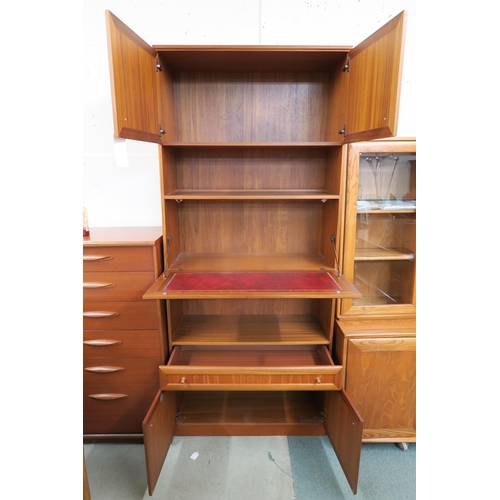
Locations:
134 83
158 430
381 382
375 68
344 427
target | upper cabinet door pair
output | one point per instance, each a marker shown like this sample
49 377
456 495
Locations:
366 81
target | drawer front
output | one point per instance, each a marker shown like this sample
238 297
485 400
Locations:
286 368
264 380
122 343
116 409
103 258
120 315
116 286
120 371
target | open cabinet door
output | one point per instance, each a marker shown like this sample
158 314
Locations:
158 430
375 68
134 83
344 427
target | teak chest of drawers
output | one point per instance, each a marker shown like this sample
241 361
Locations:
124 337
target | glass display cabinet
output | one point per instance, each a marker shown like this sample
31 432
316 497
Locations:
380 231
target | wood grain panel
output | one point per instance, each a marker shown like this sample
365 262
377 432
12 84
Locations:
374 83
250 414
131 371
122 343
245 226
248 330
118 287
250 107
132 64
113 416
121 315
158 428
111 259
381 381
344 427
250 169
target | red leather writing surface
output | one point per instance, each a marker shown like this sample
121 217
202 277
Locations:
271 281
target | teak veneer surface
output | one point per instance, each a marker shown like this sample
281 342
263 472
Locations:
254 357
248 330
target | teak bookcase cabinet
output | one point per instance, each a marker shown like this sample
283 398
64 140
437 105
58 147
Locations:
252 178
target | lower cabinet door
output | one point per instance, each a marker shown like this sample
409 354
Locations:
342 424
158 431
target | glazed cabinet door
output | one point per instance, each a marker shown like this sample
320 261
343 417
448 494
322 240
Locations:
375 68
133 72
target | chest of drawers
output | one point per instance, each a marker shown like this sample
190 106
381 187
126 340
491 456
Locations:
124 336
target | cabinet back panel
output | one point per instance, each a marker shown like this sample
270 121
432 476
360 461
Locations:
250 227
386 230
251 306
244 107
384 282
220 168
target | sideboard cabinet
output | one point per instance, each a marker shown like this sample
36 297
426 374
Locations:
124 337
252 175
379 376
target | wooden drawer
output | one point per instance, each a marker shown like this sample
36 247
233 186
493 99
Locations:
122 343
110 258
108 286
250 368
120 371
115 408
120 315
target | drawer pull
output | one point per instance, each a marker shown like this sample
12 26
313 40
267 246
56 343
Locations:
100 314
105 369
101 342
183 380
318 380
96 284
108 397
93 258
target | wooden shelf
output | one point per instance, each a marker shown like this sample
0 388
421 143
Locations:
261 194
254 144
249 330
370 254
223 262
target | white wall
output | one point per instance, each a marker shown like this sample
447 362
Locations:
121 177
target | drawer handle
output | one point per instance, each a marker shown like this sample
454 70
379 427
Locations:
100 314
108 397
101 342
105 369
96 284
183 380
93 258
318 380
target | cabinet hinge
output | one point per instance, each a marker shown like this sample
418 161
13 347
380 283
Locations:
346 67
161 131
343 131
158 65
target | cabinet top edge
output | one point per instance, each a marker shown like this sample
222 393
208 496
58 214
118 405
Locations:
253 48
144 236
251 57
